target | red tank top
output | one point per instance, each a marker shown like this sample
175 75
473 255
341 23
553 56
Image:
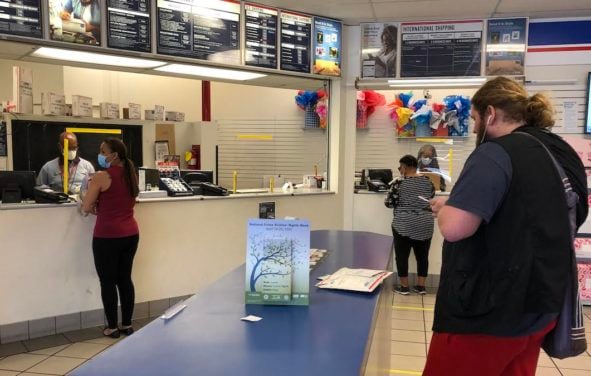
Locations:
115 208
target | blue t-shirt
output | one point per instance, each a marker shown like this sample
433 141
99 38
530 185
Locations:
480 190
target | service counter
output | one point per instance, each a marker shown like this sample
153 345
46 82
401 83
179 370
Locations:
370 214
47 267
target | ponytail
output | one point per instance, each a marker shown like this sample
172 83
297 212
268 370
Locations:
539 112
131 177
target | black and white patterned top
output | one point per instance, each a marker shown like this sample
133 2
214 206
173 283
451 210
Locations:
412 216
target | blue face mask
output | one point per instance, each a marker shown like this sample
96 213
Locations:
102 161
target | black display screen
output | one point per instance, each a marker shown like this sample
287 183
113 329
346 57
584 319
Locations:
296 33
261 36
208 31
21 17
129 25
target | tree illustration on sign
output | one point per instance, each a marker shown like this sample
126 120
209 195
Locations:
271 258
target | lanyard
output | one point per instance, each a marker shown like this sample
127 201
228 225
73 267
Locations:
72 175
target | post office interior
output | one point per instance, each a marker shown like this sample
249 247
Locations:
189 242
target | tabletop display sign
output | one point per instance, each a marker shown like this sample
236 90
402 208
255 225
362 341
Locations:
327 47
203 29
129 25
505 46
441 49
379 43
75 21
296 34
21 17
277 262
261 36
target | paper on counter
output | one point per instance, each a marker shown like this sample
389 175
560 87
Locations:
251 318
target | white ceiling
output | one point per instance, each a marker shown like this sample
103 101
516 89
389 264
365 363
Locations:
352 12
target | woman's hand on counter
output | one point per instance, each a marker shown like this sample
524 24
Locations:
436 204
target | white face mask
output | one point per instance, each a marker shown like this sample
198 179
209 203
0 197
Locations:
72 155
425 161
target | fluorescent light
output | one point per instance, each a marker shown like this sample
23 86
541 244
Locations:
505 47
95 58
437 82
197 70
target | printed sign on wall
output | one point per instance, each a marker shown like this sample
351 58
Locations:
439 49
75 21
505 46
378 49
327 47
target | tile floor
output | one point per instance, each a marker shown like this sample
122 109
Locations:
412 318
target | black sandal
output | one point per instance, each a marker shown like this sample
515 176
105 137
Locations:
127 331
113 334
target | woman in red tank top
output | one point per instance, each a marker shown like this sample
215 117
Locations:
111 197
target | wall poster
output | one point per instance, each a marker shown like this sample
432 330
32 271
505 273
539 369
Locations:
439 49
75 21
505 46
379 42
327 46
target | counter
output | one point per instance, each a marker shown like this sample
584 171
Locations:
47 266
335 335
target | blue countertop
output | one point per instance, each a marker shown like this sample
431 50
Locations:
327 338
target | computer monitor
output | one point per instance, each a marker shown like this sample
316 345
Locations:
383 174
197 176
588 106
17 181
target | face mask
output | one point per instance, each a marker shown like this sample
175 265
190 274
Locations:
102 161
425 161
481 135
71 155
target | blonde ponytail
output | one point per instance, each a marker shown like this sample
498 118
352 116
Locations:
539 112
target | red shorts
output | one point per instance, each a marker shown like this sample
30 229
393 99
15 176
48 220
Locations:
484 355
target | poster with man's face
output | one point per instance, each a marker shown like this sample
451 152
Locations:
75 21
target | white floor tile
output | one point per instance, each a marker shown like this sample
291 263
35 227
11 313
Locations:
8 373
408 348
545 361
543 371
398 314
574 372
407 363
50 351
56 365
408 336
581 362
105 340
408 325
20 362
82 350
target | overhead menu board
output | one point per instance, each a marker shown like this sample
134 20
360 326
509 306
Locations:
327 46
296 32
505 46
204 29
129 25
261 36
435 49
21 17
76 21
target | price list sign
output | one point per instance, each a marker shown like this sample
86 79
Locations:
296 32
203 29
128 25
261 36
439 49
21 17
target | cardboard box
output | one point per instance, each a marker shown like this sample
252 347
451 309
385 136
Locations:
175 116
133 112
166 132
53 104
81 106
109 110
22 89
156 114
